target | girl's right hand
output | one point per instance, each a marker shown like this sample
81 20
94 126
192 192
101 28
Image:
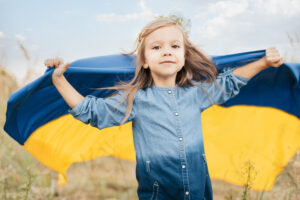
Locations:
59 65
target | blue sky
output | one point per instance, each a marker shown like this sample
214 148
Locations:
79 29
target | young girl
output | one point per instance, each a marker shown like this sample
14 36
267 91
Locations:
173 83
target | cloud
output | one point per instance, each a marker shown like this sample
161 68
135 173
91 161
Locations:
232 16
20 37
218 16
145 14
222 9
2 35
228 8
278 7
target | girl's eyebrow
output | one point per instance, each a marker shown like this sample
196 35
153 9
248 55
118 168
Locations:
159 41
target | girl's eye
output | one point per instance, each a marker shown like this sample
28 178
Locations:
173 46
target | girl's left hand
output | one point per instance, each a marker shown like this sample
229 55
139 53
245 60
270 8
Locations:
273 58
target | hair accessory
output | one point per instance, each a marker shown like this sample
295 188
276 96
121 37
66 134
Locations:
179 19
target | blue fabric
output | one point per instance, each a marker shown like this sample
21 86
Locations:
167 132
39 102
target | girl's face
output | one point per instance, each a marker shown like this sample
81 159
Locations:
164 55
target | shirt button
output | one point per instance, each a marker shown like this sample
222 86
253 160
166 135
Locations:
176 113
183 166
169 91
187 193
180 138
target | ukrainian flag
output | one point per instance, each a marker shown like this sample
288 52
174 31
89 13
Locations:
248 139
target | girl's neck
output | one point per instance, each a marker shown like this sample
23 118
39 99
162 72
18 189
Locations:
164 83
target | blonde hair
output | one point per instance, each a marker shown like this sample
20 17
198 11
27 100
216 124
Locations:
197 65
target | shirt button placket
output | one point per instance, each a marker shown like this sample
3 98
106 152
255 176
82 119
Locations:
182 154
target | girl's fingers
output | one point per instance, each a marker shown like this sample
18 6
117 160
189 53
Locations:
273 57
57 61
60 69
278 63
48 62
53 62
66 66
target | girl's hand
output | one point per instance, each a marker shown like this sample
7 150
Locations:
272 58
59 65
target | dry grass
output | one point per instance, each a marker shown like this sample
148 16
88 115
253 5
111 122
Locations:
31 73
106 178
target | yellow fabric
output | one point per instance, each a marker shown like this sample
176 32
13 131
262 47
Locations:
267 138
66 140
241 136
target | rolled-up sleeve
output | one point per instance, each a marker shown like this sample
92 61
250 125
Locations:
102 112
226 86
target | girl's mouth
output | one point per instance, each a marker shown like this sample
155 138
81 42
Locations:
167 62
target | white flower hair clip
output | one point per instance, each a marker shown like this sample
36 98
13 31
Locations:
179 19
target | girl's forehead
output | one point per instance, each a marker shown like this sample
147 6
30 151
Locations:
165 34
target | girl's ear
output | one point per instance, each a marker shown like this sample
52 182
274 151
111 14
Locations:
145 66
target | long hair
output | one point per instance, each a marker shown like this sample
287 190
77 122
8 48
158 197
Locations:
197 65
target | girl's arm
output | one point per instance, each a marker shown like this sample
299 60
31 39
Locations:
67 91
99 112
272 59
228 83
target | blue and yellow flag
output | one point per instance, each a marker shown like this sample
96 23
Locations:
256 132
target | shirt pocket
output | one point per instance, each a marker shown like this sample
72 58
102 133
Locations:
155 191
155 185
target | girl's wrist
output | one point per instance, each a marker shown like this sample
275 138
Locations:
264 62
57 78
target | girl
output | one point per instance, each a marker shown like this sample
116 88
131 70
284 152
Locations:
173 83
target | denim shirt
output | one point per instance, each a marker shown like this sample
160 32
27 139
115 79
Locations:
167 133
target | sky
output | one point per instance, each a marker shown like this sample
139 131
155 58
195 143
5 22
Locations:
75 29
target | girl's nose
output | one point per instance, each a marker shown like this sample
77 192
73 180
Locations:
167 53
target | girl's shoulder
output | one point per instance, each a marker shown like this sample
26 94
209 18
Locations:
202 84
